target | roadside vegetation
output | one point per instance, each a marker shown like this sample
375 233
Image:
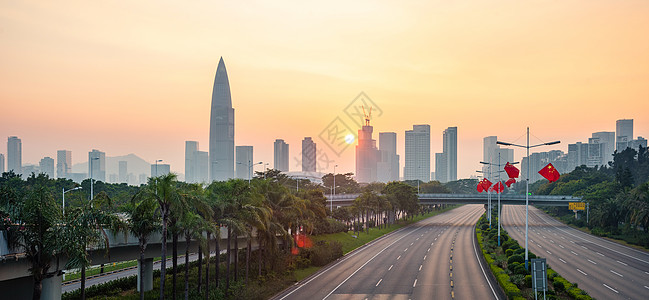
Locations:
618 196
282 217
507 264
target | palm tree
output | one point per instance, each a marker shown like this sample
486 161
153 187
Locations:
37 226
164 190
86 226
143 220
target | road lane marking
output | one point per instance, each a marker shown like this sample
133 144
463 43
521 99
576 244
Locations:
584 247
548 252
405 250
562 247
563 261
599 254
582 272
398 257
616 273
420 267
417 239
573 252
646 287
592 262
377 284
622 263
610 288
428 250
410 244
390 268
414 284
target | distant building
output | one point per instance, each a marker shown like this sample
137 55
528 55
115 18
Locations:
367 156
202 167
221 151
196 163
539 160
490 152
608 144
97 165
577 155
142 179
112 178
63 163
46 166
280 161
623 133
77 177
388 167
2 163
446 162
28 170
417 159
123 171
640 141
14 155
245 162
441 167
158 170
308 155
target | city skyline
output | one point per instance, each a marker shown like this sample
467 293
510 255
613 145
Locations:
145 88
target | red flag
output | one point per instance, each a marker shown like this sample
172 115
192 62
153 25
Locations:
480 189
512 171
510 181
498 187
550 173
486 184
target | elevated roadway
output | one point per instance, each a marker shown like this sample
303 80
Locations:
506 199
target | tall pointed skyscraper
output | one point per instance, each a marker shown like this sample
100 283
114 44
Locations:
221 154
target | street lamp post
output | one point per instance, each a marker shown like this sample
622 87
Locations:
499 165
92 192
64 191
331 205
527 183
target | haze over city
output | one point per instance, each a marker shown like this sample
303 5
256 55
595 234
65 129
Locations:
137 77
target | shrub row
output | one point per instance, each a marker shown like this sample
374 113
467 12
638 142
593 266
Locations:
511 273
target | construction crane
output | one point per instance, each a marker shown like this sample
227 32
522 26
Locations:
367 116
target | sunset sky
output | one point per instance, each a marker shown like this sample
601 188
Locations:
136 76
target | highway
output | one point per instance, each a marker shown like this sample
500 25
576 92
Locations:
432 259
604 269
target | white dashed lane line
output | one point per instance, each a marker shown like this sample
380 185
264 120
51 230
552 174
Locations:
622 263
599 254
582 272
592 262
390 268
563 261
573 252
377 284
616 273
610 288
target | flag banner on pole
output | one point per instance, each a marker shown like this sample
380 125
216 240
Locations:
550 173
486 184
510 181
479 188
512 171
498 187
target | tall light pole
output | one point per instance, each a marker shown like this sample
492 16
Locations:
92 192
527 182
250 165
488 192
499 165
64 191
331 205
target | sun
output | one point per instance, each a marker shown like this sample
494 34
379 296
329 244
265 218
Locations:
349 139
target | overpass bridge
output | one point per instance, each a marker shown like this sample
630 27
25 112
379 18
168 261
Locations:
505 199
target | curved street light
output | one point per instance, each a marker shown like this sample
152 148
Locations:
70 190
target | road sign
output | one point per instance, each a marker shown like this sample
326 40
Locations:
576 205
539 274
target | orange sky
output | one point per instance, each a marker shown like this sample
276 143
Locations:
136 76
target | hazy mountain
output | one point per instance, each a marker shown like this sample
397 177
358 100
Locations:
135 165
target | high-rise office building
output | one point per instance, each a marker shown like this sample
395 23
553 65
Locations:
14 155
388 167
308 155
367 156
97 165
221 150
446 162
417 153
441 167
158 170
245 162
280 161
191 150
623 133
490 152
2 163
577 155
607 143
122 171
202 173
63 163
46 166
